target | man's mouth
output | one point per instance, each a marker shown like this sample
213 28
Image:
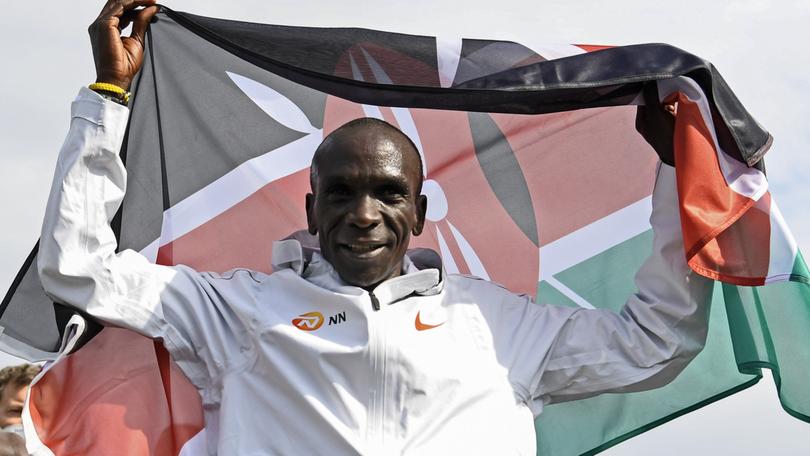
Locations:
363 250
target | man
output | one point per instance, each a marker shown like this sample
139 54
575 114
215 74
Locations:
355 347
14 381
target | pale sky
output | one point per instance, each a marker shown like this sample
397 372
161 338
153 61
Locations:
759 46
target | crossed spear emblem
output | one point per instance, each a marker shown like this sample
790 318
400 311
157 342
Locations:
252 175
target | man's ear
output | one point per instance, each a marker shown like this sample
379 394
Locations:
421 210
312 226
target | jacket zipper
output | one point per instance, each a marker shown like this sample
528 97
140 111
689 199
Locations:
375 430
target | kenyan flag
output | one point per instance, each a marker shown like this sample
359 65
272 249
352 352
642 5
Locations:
539 170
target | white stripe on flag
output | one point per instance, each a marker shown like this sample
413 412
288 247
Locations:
195 446
150 251
569 293
594 238
448 54
274 104
241 182
551 51
447 258
470 257
783 247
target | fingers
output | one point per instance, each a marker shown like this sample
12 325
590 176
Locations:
126 19
116 8
117 14
117 57
141 23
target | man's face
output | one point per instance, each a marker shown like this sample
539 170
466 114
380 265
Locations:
365 204
11 404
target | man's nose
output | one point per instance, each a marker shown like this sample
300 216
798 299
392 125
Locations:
365 213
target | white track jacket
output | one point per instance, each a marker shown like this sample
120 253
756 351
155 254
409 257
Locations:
298 362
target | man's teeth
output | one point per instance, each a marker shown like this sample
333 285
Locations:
363 248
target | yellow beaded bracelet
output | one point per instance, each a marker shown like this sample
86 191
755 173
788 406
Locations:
112 89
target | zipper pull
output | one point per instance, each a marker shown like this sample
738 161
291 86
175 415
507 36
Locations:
375 303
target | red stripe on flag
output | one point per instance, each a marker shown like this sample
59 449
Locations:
723 239
110 396
600 165
592 47
242 236
388 116
337 112
741 251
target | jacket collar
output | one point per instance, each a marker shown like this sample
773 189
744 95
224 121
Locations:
422 272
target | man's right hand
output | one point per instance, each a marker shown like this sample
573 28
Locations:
118 58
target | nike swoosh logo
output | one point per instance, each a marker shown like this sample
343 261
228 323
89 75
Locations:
422 326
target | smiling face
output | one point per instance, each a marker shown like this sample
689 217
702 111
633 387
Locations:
365 201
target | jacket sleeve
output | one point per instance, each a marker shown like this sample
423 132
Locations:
78 264
561 353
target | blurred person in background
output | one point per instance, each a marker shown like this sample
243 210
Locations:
14 382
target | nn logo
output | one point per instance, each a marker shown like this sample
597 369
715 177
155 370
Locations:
311 321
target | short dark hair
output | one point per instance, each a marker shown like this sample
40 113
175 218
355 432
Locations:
363 122
17 375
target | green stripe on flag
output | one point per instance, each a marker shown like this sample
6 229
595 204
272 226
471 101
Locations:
770 326
547 294
800 271
749 328
591 425
606 280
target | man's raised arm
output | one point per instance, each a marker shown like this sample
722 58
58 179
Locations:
77 246
77 262
661 328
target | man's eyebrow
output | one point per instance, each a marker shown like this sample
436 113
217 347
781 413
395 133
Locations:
335 180
401 185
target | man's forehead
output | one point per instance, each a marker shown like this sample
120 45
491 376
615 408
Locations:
372 147
367 146
367 138
374 151
379 165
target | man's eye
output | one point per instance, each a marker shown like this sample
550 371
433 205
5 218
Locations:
338 190
393 195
